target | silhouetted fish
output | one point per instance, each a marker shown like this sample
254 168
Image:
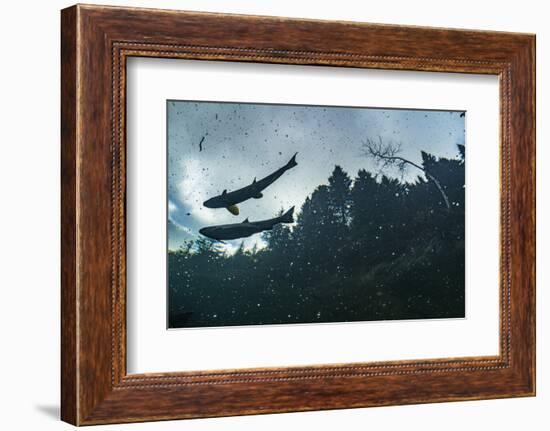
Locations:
246 228
229 200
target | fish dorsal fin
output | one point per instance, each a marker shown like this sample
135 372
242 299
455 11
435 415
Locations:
254 182
246 220
224 192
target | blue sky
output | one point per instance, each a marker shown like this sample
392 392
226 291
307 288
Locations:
243 141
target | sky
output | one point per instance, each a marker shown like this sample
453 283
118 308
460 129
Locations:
243 141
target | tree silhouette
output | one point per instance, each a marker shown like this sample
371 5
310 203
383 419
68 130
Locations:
387 154
339 191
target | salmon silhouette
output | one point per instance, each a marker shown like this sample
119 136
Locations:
246 228
229 200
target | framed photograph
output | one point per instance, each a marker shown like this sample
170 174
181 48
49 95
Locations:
264 215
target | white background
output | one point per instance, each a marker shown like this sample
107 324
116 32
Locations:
151 348
29 228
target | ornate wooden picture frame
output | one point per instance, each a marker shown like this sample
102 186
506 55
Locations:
96 41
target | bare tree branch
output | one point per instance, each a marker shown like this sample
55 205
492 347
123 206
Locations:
386 155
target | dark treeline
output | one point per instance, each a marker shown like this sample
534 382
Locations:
367 248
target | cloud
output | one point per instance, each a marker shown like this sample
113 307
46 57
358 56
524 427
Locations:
172 207
194 189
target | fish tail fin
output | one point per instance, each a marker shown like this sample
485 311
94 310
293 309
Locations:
292 162
288 217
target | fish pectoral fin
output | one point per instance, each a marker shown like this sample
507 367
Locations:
233 209
258 196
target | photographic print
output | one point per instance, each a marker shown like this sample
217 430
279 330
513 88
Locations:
293 214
